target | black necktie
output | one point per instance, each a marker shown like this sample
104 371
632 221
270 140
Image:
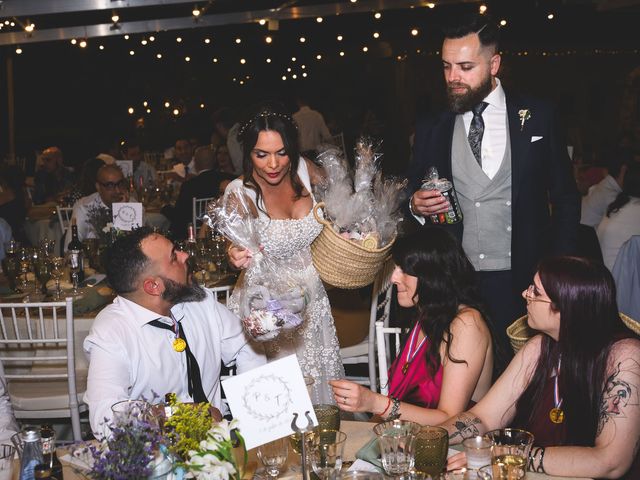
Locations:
194 382
476 131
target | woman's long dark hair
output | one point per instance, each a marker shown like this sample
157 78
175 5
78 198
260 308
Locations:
270 116
630 188
446 280
584 293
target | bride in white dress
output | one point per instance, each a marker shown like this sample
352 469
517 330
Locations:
279 182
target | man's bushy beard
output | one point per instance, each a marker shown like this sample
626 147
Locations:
175 292
461 103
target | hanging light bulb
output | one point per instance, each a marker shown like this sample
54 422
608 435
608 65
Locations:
83 44
19 51
196 12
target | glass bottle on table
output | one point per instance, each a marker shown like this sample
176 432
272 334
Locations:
48 435
191 247
76 258
31 452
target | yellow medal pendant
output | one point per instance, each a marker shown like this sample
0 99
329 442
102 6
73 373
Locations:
556 415
405 368
179 344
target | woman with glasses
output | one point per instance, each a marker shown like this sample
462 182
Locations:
575 385
447 360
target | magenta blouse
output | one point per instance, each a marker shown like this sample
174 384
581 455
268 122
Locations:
409 379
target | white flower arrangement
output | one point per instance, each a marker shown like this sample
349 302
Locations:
215 460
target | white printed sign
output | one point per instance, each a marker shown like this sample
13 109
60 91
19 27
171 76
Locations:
126 166
127 216
265 399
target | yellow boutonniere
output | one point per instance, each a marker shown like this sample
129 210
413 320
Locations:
524 115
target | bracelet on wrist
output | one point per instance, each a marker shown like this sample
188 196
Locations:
540 468
385 408
395 409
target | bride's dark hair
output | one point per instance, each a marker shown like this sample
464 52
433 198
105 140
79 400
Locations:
270 116
446 280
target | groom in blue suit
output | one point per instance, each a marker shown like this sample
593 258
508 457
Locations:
509 166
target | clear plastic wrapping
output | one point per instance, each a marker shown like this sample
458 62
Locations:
363 207
275 296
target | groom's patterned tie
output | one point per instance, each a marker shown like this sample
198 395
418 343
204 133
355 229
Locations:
476 130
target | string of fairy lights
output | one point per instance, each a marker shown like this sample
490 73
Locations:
294 68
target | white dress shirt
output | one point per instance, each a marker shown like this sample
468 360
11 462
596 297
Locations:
494 139
613 231
81 214
129 359
595 203
312 130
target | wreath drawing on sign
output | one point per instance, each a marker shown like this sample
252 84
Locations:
264 410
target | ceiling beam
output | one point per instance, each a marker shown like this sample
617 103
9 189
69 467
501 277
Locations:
27 8
207 20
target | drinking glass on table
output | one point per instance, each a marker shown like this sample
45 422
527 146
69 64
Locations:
43 273
326 453
73 261
510 453
57 271
24 266
328 419
397 441
218 253
130 412
431 447
478 451
273 456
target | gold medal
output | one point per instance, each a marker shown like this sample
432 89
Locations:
179 344
556 415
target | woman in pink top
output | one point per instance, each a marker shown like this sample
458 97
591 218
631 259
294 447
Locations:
447 359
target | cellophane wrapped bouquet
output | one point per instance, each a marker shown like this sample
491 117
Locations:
362 205
274 297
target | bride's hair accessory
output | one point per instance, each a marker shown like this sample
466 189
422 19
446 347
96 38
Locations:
266 114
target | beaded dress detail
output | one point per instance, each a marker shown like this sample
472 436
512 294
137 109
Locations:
315 342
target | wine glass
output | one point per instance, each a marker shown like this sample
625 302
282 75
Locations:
25 267
10 267
57 271
43 273
218 253
273 456
73 260
326 453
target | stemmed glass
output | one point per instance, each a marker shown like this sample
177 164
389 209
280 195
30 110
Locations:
273 456
74 269
24 259
218 253
201 263
10 264
43 273
57 271
326 453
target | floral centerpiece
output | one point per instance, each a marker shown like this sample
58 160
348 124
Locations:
188 444
101 221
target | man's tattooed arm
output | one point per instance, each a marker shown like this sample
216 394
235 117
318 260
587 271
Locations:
463 426
618 394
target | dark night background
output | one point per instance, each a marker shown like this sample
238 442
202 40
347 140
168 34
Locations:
77 98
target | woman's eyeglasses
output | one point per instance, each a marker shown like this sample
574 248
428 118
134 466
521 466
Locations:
531 296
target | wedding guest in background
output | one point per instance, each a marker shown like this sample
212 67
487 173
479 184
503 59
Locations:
575 385
132 346
110 187
312 131
447 361
278 181
13 201
622 218
508 161
208 183
600 196
53 178
226 133
144 175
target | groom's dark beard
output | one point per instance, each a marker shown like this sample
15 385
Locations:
175 292
461 103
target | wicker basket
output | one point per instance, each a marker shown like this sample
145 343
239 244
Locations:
343 263
519 331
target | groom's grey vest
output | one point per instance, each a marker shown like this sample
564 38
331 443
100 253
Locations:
485 203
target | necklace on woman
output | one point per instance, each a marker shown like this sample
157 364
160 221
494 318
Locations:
411 355
556 414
